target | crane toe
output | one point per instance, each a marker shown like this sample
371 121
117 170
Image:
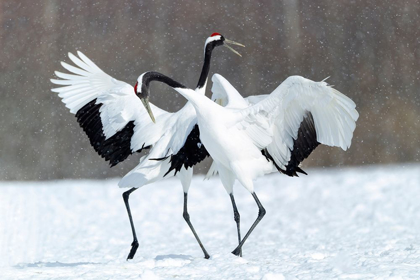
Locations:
134 247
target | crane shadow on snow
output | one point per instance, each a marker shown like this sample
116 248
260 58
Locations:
174 256
52 264
173 260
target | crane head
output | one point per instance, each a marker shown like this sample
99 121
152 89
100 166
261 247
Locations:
142 91
217 39
141 88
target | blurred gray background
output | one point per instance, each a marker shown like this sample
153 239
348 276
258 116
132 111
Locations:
370 50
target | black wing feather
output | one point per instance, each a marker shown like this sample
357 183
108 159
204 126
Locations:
190 154
114 149
303 146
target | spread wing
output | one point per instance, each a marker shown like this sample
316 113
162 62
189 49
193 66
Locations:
108 110
302 114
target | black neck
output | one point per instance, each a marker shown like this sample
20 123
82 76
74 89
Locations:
206 66
156 76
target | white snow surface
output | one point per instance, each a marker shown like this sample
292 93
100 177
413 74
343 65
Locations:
340 223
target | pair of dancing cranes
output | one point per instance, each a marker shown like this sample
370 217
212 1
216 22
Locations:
245 137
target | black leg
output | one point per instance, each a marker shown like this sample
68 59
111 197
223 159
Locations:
135 243
237 219
187 219
261 213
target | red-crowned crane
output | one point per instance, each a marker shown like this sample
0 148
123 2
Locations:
275 133
117 126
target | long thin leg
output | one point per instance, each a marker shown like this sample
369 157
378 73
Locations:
261 213
237 219
187 219
135 243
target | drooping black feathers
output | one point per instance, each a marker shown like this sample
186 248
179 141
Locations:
190 154
115 149
303 146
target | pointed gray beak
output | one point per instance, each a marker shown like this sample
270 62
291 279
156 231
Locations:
232 43
146 104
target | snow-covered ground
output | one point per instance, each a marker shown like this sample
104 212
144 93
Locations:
357 223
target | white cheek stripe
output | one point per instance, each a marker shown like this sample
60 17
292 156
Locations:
211 39
140 83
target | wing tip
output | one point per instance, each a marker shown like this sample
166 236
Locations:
67 66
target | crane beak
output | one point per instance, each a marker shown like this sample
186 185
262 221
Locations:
146 104
233 43
218 101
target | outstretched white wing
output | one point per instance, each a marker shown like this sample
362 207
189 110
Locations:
303 113
108 110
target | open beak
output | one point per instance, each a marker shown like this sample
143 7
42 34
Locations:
146 104
232 43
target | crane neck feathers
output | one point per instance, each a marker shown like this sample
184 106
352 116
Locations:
151 76
209 46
